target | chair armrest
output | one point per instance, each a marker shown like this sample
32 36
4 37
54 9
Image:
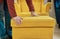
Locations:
48 6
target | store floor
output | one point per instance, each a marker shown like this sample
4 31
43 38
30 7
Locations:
56 33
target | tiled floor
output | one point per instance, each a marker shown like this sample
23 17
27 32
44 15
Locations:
56 33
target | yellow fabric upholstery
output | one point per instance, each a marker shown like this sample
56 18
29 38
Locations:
32 33
39 6
17 6
39 27
40 21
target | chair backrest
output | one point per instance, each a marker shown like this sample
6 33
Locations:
39 6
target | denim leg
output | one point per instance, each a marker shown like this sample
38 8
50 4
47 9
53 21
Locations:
8 23
57 11
2 30
7 19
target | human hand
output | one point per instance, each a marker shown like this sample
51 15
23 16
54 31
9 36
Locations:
34 14
18 20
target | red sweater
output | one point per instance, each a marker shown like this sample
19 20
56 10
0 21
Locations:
1 1
30 5
12 8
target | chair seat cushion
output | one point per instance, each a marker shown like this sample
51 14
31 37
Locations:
40 21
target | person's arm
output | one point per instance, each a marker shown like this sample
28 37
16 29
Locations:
1 1
12 11
11 8
30 5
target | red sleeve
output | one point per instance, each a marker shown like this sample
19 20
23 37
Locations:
1 1
11 8
30 5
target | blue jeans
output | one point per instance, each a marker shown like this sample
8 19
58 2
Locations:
2 29
7 19
57 10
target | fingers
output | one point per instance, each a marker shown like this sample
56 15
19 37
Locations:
34 14
18 20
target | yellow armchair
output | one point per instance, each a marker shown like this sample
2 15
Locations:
40 27
39 6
